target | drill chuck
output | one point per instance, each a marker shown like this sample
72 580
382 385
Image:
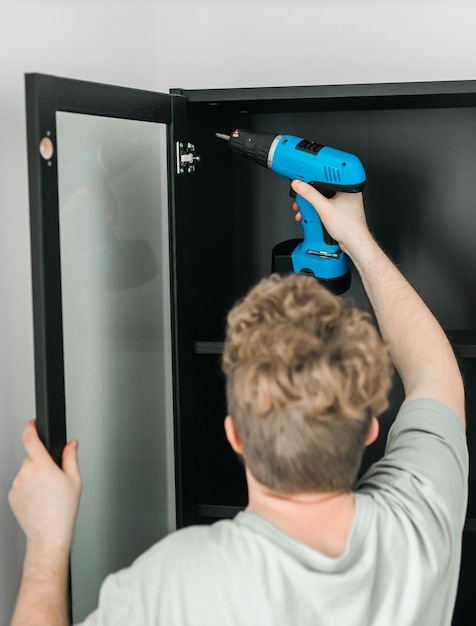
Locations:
256 146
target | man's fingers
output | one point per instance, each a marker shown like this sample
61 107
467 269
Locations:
33 445
312 195
308 192
70 461
36 451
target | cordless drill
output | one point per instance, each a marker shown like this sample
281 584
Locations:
328 170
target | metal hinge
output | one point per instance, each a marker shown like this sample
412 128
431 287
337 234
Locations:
186 157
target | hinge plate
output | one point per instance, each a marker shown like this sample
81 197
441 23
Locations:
186 158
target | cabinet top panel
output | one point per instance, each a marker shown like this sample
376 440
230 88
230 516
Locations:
337 97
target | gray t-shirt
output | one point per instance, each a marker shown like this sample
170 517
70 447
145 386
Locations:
400 566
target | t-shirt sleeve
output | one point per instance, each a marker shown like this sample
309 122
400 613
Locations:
120 594
425 466
114 608
134 596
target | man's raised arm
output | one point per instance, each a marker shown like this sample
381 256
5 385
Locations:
418 346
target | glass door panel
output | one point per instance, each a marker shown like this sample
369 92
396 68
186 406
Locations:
114 283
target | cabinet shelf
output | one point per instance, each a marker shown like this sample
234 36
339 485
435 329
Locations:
463 342
218 511
226 511
208 347
470 525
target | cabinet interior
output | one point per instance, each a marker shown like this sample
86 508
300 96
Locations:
418 154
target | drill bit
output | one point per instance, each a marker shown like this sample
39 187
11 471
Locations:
223 136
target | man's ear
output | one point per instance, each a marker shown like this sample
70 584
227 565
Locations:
232 436
373 431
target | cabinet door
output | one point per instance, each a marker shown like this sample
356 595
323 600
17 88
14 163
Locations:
100 265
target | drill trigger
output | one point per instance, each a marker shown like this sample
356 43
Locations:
326 192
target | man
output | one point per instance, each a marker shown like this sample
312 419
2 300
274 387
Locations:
306 377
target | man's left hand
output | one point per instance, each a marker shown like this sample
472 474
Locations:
44 497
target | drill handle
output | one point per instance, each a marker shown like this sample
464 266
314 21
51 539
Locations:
316 237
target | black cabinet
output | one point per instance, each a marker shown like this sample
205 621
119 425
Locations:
417 145
416 142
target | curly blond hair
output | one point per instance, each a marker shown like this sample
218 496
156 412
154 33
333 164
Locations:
305 374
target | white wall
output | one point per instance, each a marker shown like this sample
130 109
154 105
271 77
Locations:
158 44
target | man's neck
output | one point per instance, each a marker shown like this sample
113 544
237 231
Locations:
319 520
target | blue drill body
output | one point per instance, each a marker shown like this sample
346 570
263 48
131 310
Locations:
329 170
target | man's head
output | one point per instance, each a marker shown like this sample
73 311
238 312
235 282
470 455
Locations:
305 374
